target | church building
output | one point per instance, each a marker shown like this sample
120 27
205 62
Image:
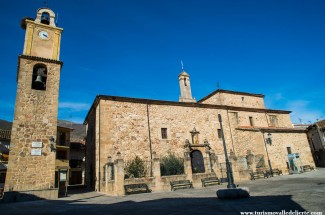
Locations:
256 137
121 128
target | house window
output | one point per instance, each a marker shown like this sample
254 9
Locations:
163 133
219 133
273 120
251 121
2 177
289 150
62 155
62 139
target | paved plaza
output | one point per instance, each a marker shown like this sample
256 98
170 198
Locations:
301 192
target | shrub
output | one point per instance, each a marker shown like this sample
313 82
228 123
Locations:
135 168
171 165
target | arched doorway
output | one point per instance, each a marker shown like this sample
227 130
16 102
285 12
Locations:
197 162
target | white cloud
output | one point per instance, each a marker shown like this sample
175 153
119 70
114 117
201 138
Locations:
75 106
301 111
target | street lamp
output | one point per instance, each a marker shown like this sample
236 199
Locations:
229 171
268 140
52 144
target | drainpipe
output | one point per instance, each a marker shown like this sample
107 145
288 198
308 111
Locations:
149 134
267 121
232 141
99 146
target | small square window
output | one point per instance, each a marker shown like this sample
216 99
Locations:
163 133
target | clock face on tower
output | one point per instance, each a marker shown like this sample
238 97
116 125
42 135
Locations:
43 35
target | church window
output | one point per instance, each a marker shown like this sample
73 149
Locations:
219 133
289 150
163 133
235 118
45 18
39 77
273 120
251 121
185 82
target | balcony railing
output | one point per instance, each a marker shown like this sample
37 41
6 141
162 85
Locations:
5 134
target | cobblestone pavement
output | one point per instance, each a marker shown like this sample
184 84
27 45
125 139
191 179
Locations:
301 192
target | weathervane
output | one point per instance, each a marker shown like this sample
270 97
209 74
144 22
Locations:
182 65
218 85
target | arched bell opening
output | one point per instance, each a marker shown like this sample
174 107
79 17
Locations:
45 18
197 162
39 77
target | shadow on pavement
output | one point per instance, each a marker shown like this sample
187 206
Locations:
156 207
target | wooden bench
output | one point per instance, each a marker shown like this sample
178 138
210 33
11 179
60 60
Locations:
183 184
136 188
257 175
307 168
210 181
275 172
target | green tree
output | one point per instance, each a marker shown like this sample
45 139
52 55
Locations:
135 168
171 165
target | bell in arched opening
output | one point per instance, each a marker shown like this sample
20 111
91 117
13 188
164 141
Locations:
45 18
39 77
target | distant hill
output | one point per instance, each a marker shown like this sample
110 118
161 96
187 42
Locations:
79 131
5 125
77 134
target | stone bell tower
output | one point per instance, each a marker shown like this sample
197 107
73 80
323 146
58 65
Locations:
31 167
185 87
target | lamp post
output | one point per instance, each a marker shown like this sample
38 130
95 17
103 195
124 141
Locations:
268 140
229 171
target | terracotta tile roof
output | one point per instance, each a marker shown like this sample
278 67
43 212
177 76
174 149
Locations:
270 129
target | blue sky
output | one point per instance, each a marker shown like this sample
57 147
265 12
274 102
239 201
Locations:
134 48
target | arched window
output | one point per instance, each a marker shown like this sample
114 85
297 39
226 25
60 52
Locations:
45 18
39 77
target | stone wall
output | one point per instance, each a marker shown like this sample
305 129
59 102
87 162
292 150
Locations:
124 127
35 119
237 100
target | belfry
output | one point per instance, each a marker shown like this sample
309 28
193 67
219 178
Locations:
31 167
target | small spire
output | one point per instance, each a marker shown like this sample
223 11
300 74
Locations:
218 85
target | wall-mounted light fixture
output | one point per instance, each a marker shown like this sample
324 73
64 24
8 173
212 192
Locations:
269 138
52 144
